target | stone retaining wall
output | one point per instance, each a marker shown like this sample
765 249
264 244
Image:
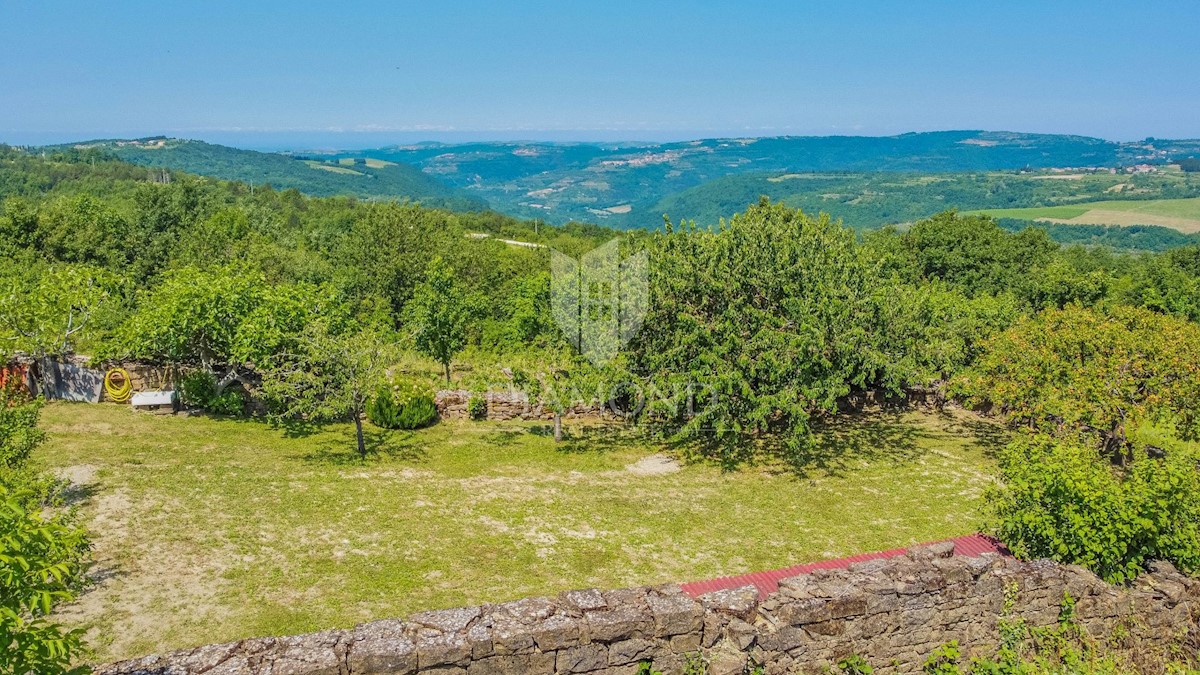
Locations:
892 612
505 405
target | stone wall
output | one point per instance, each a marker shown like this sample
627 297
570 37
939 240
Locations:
507 405
892 612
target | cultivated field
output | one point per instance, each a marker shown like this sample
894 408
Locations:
1180 214
209 530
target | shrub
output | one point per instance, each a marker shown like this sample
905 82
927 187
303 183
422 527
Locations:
1062 500
477 408
231 402
402 405
197 389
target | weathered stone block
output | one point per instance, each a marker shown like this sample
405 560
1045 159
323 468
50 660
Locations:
582 659
557 632
514 664
440 650
619 623
584 600
674 614
382 647
632 650
804 611
740 602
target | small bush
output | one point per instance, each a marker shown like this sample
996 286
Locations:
402 405
197 389
477 408
230 403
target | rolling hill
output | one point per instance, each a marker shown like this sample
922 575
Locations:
622 184
316 176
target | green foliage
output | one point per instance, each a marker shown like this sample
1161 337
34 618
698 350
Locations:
477 407
230 403
1190 164
42 561
773 316
19 433
440 315
332 374
45 309
943 660
972 253
1078 369
854 665
42 556
217 316
402 404
197 389
1062 500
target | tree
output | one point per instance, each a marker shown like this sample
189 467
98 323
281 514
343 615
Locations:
565 381
773 316
329 376
46 310
440 315
1072 369
974 254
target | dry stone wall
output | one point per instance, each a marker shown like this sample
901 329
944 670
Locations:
892 612
508 405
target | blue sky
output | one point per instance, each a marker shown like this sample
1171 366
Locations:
449 70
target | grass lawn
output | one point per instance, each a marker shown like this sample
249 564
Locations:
210 530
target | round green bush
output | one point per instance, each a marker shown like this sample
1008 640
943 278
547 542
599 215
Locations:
402 406
197 389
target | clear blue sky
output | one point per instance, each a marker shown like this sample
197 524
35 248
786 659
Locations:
596 70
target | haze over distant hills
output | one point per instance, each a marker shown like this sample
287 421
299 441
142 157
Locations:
869 181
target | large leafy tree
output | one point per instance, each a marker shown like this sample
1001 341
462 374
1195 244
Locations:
46 309
1072 369
974 254
440 315
218 316
770 318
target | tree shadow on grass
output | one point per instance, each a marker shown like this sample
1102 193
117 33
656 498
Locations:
380 445
835 446
581 439
847 440
296 428
992 435
503 437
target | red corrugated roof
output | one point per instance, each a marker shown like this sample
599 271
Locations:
768 582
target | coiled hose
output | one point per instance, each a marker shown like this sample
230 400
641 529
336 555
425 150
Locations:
118 384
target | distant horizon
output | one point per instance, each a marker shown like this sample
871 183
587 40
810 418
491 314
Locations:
319 140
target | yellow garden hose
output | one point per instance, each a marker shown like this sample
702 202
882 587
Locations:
122 388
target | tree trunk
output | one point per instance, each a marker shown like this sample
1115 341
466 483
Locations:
557 426
446 365
358 430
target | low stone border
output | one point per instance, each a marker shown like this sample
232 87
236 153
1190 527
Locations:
893 612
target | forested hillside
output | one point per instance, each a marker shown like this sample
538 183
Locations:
622 184
321 177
